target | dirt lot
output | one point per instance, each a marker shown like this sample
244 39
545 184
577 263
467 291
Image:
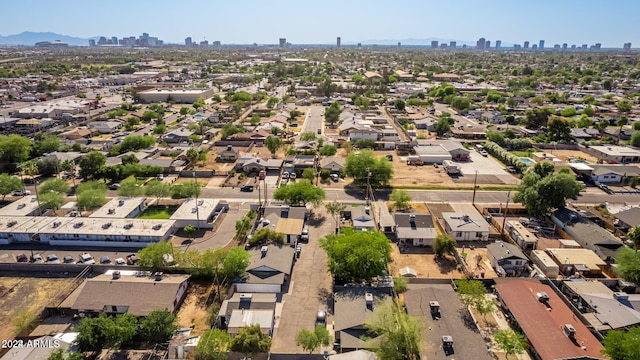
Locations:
18 294
193 310
409 175
422 260
576 154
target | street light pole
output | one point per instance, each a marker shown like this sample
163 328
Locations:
366 194
475 187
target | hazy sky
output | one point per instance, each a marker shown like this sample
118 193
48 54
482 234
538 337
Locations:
611 23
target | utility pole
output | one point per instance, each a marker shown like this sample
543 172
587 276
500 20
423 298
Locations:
259 197
366 194
475 187
504 216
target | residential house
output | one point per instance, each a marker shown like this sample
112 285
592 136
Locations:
457 151
105 127
352 308
507 259
258 136
228 155
493 117
628 218
334 164
584 134
549 325
580 262
269 270
446 77
245 309
616 154
466 226
613 174
361 217
118 292
168 165
415 229
178 135
587 234
287 220
78 133
250 164
613 132
426 123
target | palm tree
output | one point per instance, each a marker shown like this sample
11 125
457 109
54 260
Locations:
622 121
30 168
70 167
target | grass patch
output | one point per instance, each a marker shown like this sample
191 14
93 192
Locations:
158 212
521 153
441 187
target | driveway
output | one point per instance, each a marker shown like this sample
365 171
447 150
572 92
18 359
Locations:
489 170
309 290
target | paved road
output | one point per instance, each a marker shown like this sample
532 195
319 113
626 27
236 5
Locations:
314 120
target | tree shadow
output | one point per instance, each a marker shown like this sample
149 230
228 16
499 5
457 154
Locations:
326 297
468 321
316 220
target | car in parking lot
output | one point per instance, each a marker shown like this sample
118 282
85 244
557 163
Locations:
483 153
68 259
120 261
22 258
37 258
114 186
305 234
86 259
53 259
105 260
21 193
132 259
246 188
321 318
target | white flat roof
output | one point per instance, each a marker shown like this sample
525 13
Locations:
617 150
175 91
23 224
186 211
580 166
21 207
242 318
118 208
100 226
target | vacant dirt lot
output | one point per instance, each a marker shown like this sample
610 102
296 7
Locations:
576 154
422 260
19 294
193 311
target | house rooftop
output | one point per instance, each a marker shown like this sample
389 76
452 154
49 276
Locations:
470 221
119 208
187 211
630 217
24 206
503 250
414 226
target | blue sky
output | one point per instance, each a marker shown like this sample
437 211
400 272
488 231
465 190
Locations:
264 21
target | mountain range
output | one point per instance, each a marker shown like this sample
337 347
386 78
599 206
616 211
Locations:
30 38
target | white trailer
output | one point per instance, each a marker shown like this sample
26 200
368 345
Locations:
450 167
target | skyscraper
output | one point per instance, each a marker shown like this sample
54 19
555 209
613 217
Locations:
480 44
434 44
338 41
282 42
526 44
487 44
626 46
92 42
541 45
188 42
498 44
597 46
564 46
452 44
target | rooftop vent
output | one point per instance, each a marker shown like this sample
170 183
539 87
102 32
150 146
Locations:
465 217
194 210
106 225
569 331
200 202
368 298
128 226
158 276
264 250
56 224
115 275
542 296
79 224
111 211
157 226
620 296
229 147
412 216
11 223
120 202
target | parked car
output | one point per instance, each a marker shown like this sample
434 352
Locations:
293 175
334 177
53 259
37 258
120 261
105 260
246 188
114 186
132 259
285 175
22 258
68 259
483 153
21 193
305 234
86 259
321 318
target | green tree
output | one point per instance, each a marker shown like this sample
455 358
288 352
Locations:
250 341
308 136
622 345
399 105
266 236
540 194
635 139
129 187
51 200
634 235
103 331
365 165
153 255
309 174
636 126
398 334
470 291
234 263
213 345
189 230
444 244
157 188
442 126
559 128
400 284
327 87
328 150
335 208
185 190
332 113
158 325
9 184
624 106
242 227
60 354
14 149
198 104
401 199
628 264
273 101
229 130
91 199
607 84
534 118
510 341
299 193
47 144
273 143
311 340
89 164
357 254
622 121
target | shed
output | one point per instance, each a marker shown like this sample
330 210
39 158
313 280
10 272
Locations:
408 272
545 263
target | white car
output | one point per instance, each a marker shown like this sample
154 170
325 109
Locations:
86 259
120 261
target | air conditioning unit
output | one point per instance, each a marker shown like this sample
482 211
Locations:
116 275
542 296
569 331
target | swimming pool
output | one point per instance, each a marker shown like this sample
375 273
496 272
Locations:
527 161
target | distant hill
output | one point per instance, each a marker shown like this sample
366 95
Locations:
30 38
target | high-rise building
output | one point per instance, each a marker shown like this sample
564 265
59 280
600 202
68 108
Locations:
444 46
526 44
217 43
564 46
534 47
188 42
480 44
487 44
114 40
573 46
338 41
626 46
556 47
359 45
452 44
282 42
541 45
517 46
498 44
597 46
204 43
399 44
92 42
102 40
434 44
585 46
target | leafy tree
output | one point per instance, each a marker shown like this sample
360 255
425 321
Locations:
624 106
266 236
442 126
158 325
398 333
357 254
335 208
242 227
311 340
634 235
185 190
273 143
89 164
364 164
198 104
401 199
622 345
91 185
60 354
628 264
153 255
325 174
309 174
534 118
559 128
460 103
543 169
47 144
234 263
399 105
636 126
250 341
189 230
444 244
308 136
496 136
327 87
9 184
51 200
332 113
299 193
273 101
400 284
129 187
157 188
635 139
213 345
229 130
91 199
510 341
102 331
607 84
622 121
328 150
14 149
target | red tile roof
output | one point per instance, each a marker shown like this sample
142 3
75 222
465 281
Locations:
543 324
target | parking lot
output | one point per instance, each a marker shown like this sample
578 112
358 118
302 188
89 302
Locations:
489 170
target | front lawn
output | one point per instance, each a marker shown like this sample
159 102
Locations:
158 212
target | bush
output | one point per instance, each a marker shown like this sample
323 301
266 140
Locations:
504 156
400 284
266 236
